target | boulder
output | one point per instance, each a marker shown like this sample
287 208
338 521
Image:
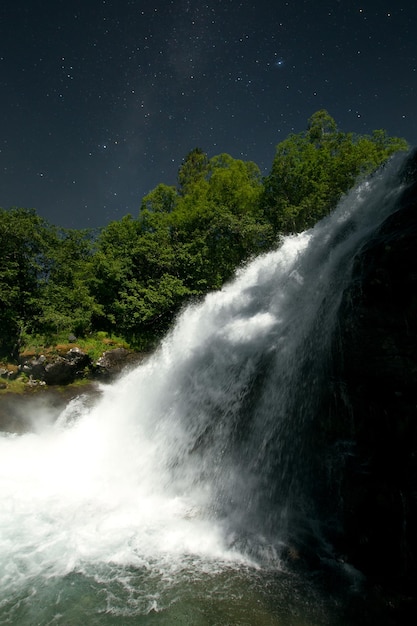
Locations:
57 370
112 362
79 359
66 368
35 367
60 372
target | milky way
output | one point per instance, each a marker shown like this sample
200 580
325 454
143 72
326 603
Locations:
101 100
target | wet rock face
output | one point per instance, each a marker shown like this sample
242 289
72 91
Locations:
376 398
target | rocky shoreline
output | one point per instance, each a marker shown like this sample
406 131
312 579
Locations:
68 366
49 382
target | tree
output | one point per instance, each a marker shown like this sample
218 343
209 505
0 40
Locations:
24 244
312 170
136 280
321 128
218 224
235 184
162 199
193 170
67 304
112 262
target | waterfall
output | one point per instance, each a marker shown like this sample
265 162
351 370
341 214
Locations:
200 456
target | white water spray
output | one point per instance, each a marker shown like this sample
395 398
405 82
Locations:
199 446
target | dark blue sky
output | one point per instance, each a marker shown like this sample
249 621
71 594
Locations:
102 99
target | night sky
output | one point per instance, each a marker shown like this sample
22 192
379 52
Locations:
102 99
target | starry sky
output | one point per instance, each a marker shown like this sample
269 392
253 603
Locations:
102 99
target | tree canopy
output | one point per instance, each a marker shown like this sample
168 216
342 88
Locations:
313 169
134 275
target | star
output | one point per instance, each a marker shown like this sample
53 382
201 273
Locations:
221 75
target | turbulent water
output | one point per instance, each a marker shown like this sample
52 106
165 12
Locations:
174 498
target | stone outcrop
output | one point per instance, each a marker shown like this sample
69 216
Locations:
112 362
374 403
66 369
74 364
57 370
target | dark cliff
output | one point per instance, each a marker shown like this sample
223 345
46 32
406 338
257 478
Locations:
374 401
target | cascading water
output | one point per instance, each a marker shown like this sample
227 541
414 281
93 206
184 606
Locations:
191 474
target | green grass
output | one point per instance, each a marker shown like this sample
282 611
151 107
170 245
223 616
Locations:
94 345
14 386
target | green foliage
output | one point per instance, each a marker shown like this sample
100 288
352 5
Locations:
43 279
133 276
218 224
94 344
67 304
163 199
184 243
193 170
24 239
312 170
